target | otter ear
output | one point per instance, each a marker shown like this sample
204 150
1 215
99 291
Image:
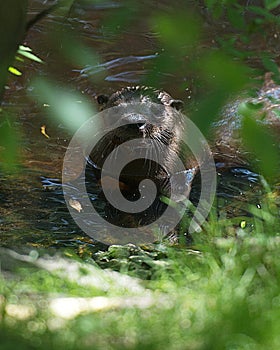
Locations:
177 104
102 99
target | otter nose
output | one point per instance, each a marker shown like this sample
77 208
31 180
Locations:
136 122
141 126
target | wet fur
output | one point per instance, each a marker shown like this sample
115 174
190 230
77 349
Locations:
167 133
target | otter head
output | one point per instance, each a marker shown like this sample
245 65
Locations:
145 120
147 114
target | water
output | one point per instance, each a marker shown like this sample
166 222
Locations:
33 212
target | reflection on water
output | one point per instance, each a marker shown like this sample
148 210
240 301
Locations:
33 211
128 76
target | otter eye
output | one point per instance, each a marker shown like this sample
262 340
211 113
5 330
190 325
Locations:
102 99
177 104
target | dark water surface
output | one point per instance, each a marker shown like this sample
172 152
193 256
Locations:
33 212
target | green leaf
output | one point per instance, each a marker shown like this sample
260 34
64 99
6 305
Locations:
271 4
30 55
15 71
24 48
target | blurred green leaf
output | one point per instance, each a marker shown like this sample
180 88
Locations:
8 144
208 108
178 32
223 78
271 4
222 72
163 64
121 17
71 108
260 142
216 7
74 50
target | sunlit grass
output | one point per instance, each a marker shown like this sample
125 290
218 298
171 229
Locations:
220 293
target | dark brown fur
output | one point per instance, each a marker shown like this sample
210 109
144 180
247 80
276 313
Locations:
167 133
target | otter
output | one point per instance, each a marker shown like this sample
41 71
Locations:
225 140
164 125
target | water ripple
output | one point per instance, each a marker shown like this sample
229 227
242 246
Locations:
117 62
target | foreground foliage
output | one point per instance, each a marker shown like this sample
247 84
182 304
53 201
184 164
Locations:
220 293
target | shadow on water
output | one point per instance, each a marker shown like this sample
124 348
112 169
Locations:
33 211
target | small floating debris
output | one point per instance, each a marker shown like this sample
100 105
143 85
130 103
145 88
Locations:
43 131
75 205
